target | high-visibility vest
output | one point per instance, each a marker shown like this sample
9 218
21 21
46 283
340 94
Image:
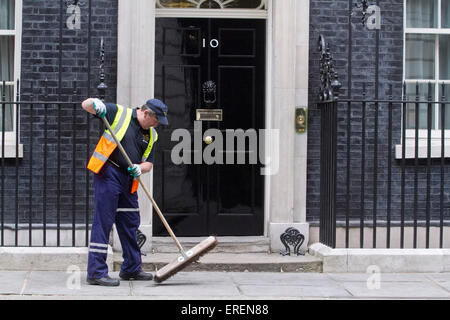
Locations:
106 145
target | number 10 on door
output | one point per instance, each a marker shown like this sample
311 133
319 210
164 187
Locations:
214 43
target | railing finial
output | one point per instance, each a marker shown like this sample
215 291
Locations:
102 86
329 83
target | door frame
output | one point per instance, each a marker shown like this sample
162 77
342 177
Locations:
134 85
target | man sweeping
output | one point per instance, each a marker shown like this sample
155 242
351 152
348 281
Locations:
115 184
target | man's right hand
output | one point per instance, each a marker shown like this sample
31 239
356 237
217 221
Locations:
99 107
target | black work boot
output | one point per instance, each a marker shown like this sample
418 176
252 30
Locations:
106 281
139 275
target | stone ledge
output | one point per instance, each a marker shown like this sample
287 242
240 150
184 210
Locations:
46 258
387 260
227 244
234 262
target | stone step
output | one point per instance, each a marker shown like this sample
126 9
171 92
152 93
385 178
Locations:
251 244
233 262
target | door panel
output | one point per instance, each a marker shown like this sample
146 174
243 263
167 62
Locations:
200 199
230 37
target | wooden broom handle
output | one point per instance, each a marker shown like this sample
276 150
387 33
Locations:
130 164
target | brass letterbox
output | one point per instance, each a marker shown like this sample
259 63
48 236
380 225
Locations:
209 114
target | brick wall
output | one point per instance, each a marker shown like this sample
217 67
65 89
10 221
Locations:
45 66
330 18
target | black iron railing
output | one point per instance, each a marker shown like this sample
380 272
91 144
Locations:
46 192
384 164
376 172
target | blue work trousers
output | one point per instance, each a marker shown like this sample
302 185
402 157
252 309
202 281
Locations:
114 204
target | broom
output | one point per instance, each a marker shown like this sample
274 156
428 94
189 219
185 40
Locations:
186 258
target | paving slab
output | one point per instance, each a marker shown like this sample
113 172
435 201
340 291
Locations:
189 284
445 285
363 277
198 277
294 291
188 290
61 283
282 279
439 276
11 282
227 286
411 290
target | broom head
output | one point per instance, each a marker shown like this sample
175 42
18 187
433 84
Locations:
181 262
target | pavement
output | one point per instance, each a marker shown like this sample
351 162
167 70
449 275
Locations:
207 285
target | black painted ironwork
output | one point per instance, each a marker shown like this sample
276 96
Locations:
365 128
102 86
329 84
141 238
74 3
209 90
292 237
364 5
48 211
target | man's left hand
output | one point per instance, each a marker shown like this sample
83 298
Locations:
135 170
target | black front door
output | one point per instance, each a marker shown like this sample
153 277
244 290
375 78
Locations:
199 199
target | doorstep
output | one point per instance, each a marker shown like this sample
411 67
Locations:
226 244
233 254
233 262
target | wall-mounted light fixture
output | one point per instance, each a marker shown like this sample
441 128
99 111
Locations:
364 5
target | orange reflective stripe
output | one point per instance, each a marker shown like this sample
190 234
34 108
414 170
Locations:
105 147
135 186
102 152
95 164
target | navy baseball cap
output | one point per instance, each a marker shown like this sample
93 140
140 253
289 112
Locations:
160 109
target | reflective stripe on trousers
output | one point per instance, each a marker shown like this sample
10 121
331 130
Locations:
114 204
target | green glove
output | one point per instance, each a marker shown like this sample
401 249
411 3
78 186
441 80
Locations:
100 108
135 170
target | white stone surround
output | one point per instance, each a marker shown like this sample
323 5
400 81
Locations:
287 67
290 47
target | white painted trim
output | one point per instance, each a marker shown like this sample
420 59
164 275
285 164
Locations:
10 149
212 13
410 151
7 32
268 109
10 136
439 14
410 133
18 43
423 134
404 42
427 30
135 70
427 80
124 57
